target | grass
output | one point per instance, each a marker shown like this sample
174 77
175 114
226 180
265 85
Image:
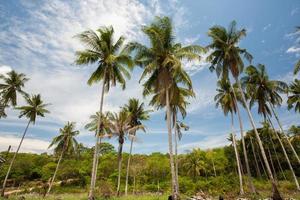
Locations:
84 197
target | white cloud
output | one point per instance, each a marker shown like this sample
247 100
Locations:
29 144
293 49
44 46
5 69
207 142
267 27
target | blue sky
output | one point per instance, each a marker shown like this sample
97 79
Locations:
36 38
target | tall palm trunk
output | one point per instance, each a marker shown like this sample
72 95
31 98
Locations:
56 169
95 158
277 158
255 159
286 156
237 157
119 166
251 185
272 164
274 149
174 188
13 160
128 165
281 129
276 194
99 150
262 165
176 153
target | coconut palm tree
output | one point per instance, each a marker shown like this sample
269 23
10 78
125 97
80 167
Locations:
226 100
35 107
230 94
112 68
12 85
120 126
226 57
178 127
266 93
178 103
137 114
294 96
162 64
193 163
64 142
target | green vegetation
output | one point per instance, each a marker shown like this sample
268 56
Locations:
263 155
213 171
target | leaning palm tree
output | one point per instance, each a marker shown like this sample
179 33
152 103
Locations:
294 96
112 68
120 126
226 58
137 114
35 107
12 85
226 100
162 64
65 142
266 93
227 91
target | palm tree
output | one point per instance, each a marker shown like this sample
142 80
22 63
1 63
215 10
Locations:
137 114
178 126
294 97
265 93
178 103
120 126
229 94
225 58
112 68
35 107
226 100
193 163
65 142
162 67
13 83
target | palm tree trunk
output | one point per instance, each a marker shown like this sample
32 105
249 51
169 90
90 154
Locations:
99 150
237 157
251 185
214 167
277 158
286 156
13 160
95 162
134 184
56 169
176 154
174 188
262 165
289 142
275 152
255 159
272 164
119 167
276 194
128 165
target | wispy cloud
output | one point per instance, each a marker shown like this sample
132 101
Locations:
268 26
29 145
